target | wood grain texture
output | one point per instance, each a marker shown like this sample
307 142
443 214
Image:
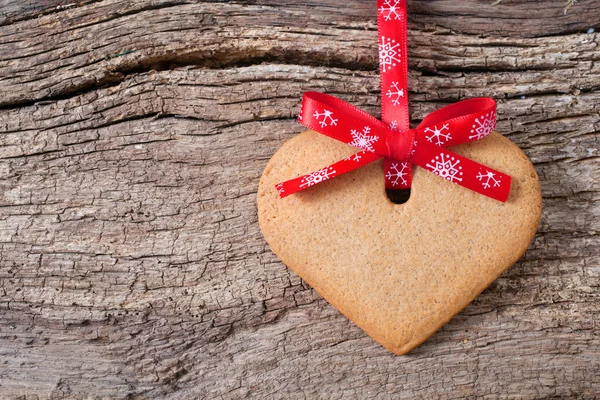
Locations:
132 138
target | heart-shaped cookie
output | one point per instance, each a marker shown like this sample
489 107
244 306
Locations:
399 271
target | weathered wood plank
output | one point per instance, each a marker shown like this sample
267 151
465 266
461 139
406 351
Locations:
131 263
97 45
518 18
138 200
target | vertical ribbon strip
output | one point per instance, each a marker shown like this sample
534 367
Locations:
393 72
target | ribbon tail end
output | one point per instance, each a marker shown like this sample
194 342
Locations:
280 191
506 193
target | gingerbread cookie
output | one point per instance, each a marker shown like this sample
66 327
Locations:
399 271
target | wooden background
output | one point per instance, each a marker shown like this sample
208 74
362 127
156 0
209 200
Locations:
132 138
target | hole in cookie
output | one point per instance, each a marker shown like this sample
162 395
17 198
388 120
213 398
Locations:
398 196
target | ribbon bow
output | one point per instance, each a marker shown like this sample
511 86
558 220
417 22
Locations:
392 139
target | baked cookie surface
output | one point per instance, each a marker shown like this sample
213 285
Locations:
398 271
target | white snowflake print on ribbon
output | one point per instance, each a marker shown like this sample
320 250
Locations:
447 167
317 177
483 126
279 188
395 94
354 157
438 134
390 9
363 140
327 118
394 125
388 54
300 113
488 179
397 173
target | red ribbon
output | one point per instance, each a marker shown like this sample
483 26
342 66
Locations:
392 139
